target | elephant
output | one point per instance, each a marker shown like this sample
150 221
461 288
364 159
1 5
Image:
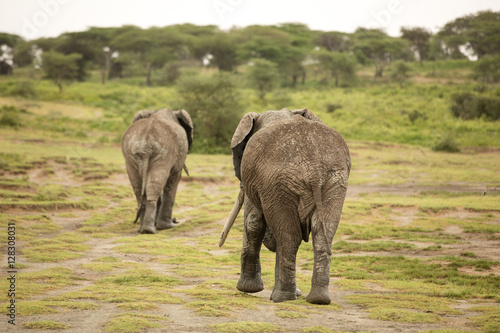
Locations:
293 171
155 148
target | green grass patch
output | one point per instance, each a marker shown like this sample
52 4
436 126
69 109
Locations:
46 325
403 316
137 306
62 247
39 282
245 327
375 246
433 277
437 305
134 322
30 308
141 278
488 320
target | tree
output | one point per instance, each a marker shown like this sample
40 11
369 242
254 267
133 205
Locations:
400 72
291 67
334 41
478 33
340 65
153 47
263 75
221 48
215 106
487 69
419 39
60 68
381 49
266 42
7 44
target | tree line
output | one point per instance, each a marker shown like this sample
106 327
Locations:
273 52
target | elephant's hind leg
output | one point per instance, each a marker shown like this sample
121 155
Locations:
285 287
332 209
254 229
164 217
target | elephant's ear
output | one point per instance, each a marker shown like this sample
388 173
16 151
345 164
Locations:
307 114
186 122
240 138
142 114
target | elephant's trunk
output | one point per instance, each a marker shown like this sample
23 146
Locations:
232 217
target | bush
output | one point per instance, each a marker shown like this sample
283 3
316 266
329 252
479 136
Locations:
215 106
331 107
470 106
24 89
447 144
487 69
415 115
10 116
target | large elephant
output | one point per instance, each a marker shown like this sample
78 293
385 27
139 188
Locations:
155 148
293 171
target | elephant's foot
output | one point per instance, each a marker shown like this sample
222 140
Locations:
162 225
282 296
275 289
250 284
319 295
149 229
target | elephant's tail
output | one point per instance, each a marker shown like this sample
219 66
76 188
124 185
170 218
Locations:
143 190
320 214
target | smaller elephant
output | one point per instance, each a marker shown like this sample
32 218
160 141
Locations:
293 171
155 148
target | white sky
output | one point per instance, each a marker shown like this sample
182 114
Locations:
49 18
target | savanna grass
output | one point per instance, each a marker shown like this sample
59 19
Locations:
46 325
245 327
134 322
62 247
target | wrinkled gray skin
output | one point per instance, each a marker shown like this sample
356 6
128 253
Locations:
293 171
155 148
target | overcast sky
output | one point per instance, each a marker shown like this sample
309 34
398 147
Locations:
49 18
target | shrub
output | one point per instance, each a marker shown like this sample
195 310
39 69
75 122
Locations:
447 144
471 106
487 69
10 116
215 106
415 115
331 107
24 89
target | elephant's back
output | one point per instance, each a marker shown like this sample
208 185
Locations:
303 145
284 162
155 135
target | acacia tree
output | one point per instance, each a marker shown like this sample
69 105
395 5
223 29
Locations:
7 44
381 49
419 39
152 47
340 65
478 33
263 75
222 49
60 68
334 41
